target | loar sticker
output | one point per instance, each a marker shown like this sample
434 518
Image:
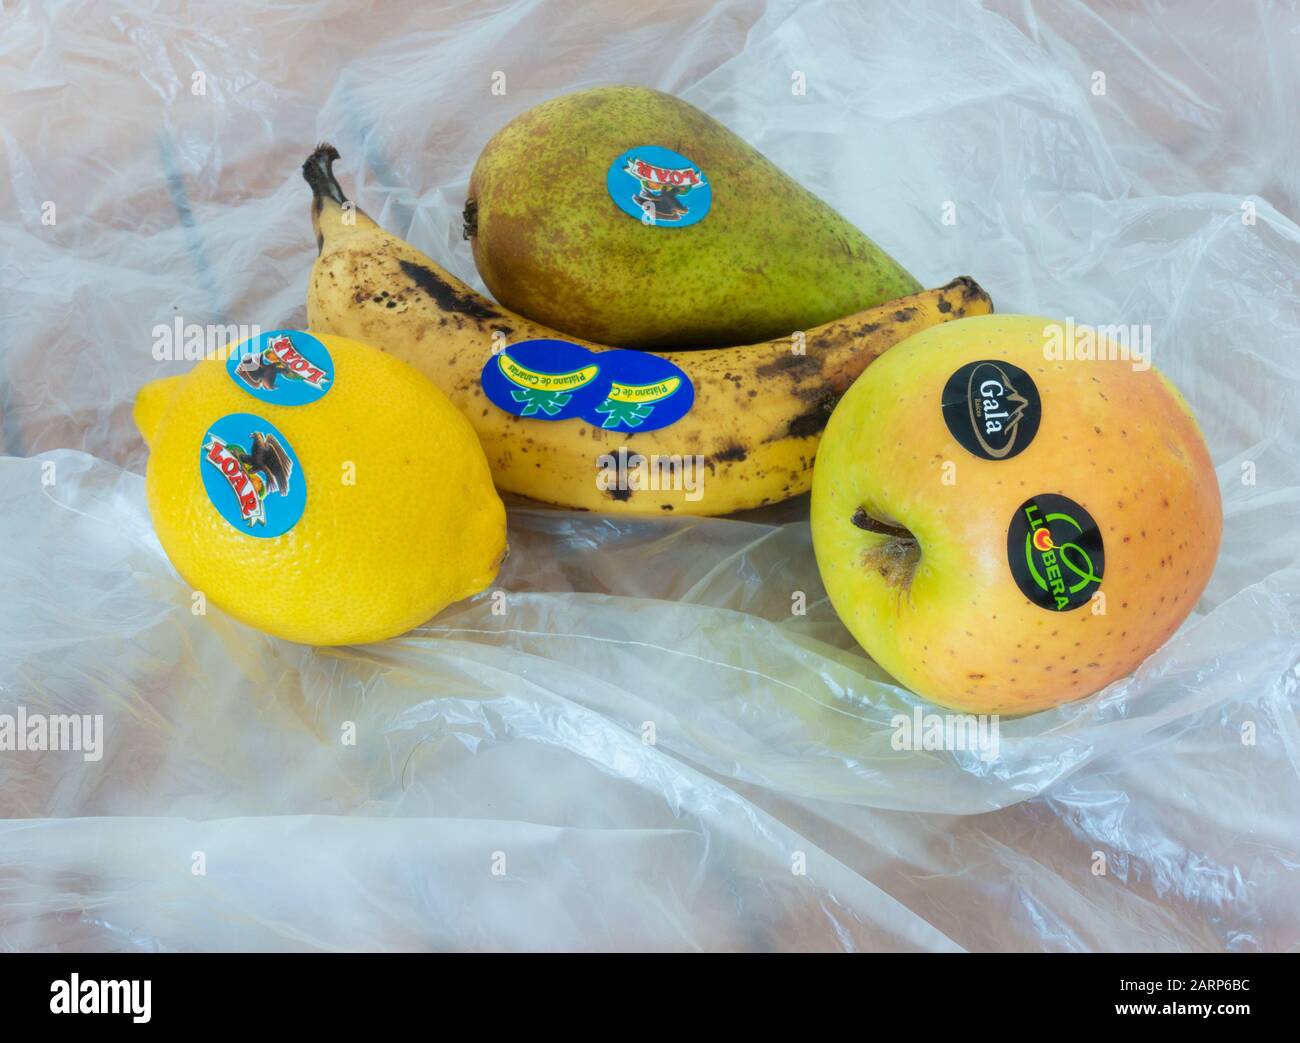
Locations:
252 475
659 187
283 367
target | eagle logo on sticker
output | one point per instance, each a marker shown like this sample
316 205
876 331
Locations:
659 186
284 367
252 475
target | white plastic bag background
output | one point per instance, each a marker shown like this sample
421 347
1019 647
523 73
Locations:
500 794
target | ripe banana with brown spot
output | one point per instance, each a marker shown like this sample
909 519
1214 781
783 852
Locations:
751 435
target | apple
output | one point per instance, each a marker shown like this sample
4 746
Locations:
1005 523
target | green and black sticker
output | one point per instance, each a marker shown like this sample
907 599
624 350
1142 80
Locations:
992 408
1055 551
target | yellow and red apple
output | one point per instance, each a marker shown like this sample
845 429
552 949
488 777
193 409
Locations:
1003 527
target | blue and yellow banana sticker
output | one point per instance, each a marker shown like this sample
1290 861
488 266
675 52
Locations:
545 379
646 392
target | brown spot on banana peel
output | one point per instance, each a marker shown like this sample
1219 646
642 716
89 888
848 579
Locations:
799 366
811 423
444 295
732 453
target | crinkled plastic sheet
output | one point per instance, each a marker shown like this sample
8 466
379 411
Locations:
501 793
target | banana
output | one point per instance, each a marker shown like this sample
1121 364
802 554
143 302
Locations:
749 439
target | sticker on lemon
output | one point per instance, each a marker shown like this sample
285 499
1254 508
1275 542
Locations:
349 518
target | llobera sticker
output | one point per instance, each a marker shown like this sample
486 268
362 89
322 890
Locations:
1055 551
659 187
252 475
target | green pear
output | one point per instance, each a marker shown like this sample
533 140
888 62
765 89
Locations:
581 222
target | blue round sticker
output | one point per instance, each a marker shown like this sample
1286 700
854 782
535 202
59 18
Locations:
284 367
545 379
646 392
252 475
659 187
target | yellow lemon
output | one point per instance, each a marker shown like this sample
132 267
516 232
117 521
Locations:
319 489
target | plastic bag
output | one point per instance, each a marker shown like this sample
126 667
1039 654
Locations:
647 748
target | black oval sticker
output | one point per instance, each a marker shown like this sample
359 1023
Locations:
1056 552
992 408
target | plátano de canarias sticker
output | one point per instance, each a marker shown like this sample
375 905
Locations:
646 392
545 379
252 475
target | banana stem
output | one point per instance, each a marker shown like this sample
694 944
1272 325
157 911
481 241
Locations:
318 171
332 214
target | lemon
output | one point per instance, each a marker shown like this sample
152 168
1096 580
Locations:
319 489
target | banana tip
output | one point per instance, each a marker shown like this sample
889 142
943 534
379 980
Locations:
970 290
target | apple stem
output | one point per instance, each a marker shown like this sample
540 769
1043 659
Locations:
866 522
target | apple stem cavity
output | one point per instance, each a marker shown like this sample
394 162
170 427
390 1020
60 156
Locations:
896 557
